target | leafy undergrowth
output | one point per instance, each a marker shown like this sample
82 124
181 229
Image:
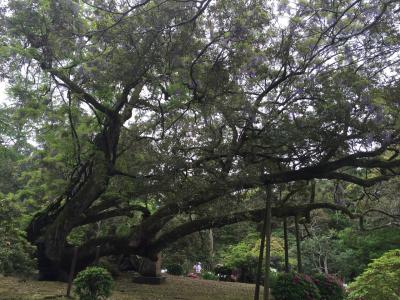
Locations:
176 288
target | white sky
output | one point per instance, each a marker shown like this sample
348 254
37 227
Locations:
2 93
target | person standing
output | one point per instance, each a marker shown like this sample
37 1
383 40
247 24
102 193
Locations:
197 268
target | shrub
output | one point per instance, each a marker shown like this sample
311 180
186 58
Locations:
174 269
273 277
240 257
223 272
93 283
16 253
330 287
293 286
209 276
381 280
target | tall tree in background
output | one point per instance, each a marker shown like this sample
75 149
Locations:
172 108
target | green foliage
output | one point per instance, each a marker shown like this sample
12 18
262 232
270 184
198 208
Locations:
365 246
327 250
93 283
380 281
16 253
8 180
336 246
293 286
241 256
330 287
209 276
175 269
244 256
273 278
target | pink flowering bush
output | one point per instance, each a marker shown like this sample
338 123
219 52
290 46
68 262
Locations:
330 287
294 286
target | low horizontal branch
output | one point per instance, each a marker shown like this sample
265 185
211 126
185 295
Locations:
117 212
251 215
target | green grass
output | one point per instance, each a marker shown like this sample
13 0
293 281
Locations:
176 288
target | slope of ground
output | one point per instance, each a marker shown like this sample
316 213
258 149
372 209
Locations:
176 288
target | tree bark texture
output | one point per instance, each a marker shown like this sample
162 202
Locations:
261 254
286 244
267 271
298 246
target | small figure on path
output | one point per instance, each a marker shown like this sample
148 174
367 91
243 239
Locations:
196 271
197 268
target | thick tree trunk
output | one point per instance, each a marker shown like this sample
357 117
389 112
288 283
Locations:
50 228
58 270
71 214
49 269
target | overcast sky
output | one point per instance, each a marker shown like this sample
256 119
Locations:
2 93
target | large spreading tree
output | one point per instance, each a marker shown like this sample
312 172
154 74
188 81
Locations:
175 110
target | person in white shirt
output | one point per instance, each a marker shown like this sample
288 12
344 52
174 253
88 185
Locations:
197 268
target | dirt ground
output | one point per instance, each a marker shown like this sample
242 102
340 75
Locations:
175 288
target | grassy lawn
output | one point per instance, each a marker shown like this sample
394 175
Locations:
176 288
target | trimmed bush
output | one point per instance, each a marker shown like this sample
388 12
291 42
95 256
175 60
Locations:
209 276
293 286
174 269
381 280
330 287
93 283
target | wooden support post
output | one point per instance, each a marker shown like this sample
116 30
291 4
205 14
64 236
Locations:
262 245
299 264
211 240
286 244
268 243
260 258
158 265
97 257
72 271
